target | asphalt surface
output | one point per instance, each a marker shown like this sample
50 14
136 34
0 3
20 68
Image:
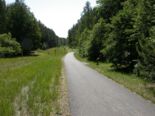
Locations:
92 94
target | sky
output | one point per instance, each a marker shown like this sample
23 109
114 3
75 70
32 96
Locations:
59 15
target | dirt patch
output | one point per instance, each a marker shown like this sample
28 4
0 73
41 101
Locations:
20 103
151 87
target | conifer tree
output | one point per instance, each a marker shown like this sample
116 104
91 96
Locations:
2 16
123 51
23 26
146 30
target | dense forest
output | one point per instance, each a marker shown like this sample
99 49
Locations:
21 33
118 31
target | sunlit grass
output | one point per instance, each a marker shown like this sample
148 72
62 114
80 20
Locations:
40 74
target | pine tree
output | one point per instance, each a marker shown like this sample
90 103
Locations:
109 8
2 16
145 25
23 26
48 38
123 49
84 43
97 39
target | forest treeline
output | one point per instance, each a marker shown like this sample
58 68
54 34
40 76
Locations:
118 31
21 32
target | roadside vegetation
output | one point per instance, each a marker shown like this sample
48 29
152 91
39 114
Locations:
21 33
119 36
121 32
141 86
29 78
31 85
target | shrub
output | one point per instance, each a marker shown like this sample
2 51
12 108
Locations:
9 46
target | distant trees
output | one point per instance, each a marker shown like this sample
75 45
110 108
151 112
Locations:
72 39
121 32
49 38
17 19
78 35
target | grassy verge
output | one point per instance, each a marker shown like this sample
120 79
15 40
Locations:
37 76
141 86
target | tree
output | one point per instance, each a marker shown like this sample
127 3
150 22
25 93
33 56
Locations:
72 33
49 38
86 22
86 19
97 40
84 43
123 50
125 36
109 8
23 26
145 24
2 16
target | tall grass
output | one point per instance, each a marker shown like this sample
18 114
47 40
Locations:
40 74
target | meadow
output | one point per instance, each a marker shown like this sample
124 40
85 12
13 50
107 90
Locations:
30 85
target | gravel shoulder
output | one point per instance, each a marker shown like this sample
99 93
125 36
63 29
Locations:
64 100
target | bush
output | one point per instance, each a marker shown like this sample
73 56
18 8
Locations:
9 46
146 64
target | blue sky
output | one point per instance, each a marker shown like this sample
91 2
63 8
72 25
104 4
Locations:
59 15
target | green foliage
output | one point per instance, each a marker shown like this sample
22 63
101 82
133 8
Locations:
125 37
61 41
17 19
97 40
146 48
84 43
76 33
49 38
8 46
123 52
86 20
23 26
2 16
146 64
109 8
72 33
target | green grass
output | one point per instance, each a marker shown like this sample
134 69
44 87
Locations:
136 84
40 74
